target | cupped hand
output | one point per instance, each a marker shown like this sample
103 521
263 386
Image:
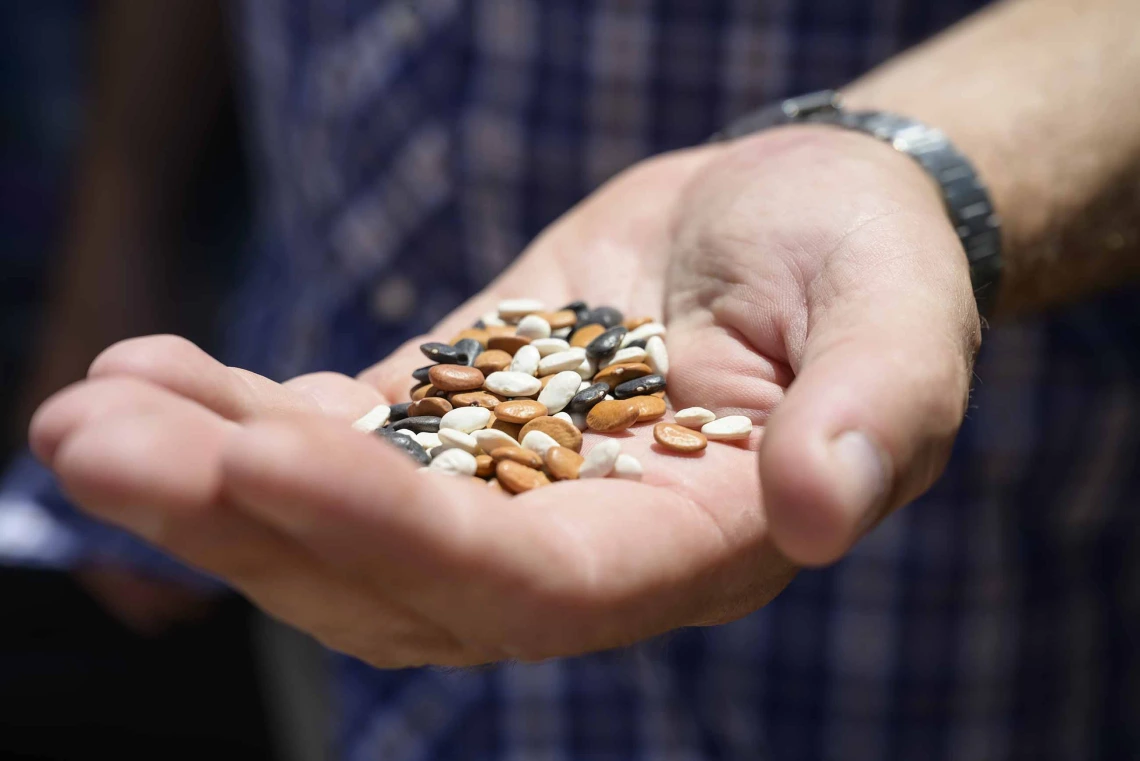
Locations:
809 280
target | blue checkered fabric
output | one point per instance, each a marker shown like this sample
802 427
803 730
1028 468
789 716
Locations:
406 143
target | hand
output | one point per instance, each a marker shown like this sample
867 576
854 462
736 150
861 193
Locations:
804 253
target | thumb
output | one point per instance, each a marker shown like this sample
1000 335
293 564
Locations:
868 423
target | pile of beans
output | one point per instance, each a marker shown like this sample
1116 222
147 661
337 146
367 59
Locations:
509 398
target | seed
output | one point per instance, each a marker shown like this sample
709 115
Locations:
678 438
587 369
450 437
580 310
562 333
545 380
609 417
562 463
422 391
466 419
443 353
455 461
645 332
428 440
579 420
526 360
606 344
728 428
565 434
517 479
490 320
640 344
605 316
437 451
537 441
492 361
509 344
649 407
532 326
614 375
583 335
563 318
516 309
628 467
640 387
373 419
527 457
409 446
456 378
562 361
600 460
632 323
431 406
510 429
484 466
656 356
586 398
623 356
564 416
471 348
490 439
694 417
502 329
512 384
399 411
477 334
422 374
548 346
419 424
559 391
474 399
519 411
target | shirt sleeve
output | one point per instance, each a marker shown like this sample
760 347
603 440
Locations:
40 528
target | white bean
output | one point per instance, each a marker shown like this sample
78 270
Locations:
600 460
455 461
532 326
694 417
559 391
490 438
466 419
515 309
630 354
656 356
628 467
373 419
537 441
456 439
525 361
728 428
512 384
647 330
548 346
563 360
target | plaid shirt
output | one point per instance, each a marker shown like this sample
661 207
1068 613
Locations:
407 143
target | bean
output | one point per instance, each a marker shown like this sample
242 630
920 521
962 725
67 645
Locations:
516 309
512 384
431 406
472 348
455 461
456 377
599 461
562 463
526 361
606 343
585 399
409 446
532 326
641 386
443 353
580 310
422 374
399 411
466 419
373 419
628 467
563 433
419 424
656 356
516 478
678 438
559 391
694 417
605 316
728 428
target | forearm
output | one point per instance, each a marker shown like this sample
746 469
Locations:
1041 95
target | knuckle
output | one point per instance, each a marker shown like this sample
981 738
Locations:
140 356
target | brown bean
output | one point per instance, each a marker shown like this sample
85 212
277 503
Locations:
563 463
649 407
616 415
556 428
509 344
479 334
511 429
586 333
431 405
631 323
499 330
517 478
475 399
423 391
564 318
519 411
620 373
522 456
456 377
492 361
484 466
679 438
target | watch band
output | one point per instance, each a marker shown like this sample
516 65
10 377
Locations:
966 199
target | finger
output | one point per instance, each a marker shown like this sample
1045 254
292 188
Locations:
157 474
566 568
869 420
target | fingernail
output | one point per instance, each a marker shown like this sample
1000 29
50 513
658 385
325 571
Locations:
862 473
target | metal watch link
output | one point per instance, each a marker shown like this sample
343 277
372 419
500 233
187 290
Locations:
966 199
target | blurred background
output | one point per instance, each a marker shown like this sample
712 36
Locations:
95 227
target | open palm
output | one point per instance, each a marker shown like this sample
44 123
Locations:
765 270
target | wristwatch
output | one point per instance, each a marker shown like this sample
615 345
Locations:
967 201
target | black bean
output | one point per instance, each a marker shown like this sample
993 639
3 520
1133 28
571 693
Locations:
649 384
606 316
444 354
420 374
419 424
585 399
406 444
639 343
437 451
479 324
399 411
580 310
471 348
606 344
